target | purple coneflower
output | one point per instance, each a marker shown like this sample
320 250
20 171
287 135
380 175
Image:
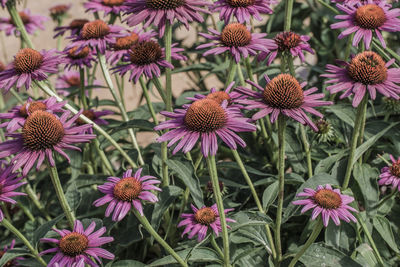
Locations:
94 116
8 183
284 94
243 10
42 134
122 44
72 57
79 244
31 23
289 42
3 3
108 6
328 202
74 28
18 114
205 119
157 13
146 58
29 65
390 175
71 79
124 193
198 222
238 40
365 71
13 262
57 12
97 35
366 18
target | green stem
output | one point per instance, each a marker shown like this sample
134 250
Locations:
103 157
348 47
82 88
216 247
281 177
69 213
107 77
168 81
288 15
306 145
334 10
160 89
310 240
31 194
146 224
249 69
48 91
148 101
27 212
220 205
18 23
354 139
362 129
387 49
386 198
241 77
256 199
5 210
231 72
7 224
16 95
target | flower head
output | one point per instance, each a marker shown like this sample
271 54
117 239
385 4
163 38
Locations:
238 40
96 34
328 202
13 262
124 193
284 94
365 18
158 12
365 71
326 132
122 45
288 42
73 246
8 183
390 175
107 6
31 22
42 134
146 57
58 12
77 57
71 80
74 28
29 65
205 119
198 222
94 116
243 10
18 114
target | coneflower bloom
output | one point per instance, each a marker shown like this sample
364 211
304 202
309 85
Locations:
157 13
74 27
107 6
72 57
124 193
94 116
122 44
328 202
365 71
78 244
364 19
326 132
29 65
57 12
17 115
97 35
284 94
8 183
13 262
42 134
390 175
3 3
238 40
198 222
81 263
205 119
31 22
289 42
146 58
242 10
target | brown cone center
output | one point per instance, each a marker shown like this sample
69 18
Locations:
240 3
124 43
219 96
283 92
78 23
33 106
145 53
73 244
368 68
127 189
73 81
395 169
370 16
164 4
24 17
81 54
328 199
235 34
204 116
88 113
287 40
27 60
42 130
95 29
323 126
112 3
59 10
205 216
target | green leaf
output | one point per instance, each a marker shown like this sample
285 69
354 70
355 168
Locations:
342 236
181 100
185 173
366 177
382 225
250 218
366 256
73 196
205 255
326 164
126 263
143 112
345 113
319 254
270 194
75 163
233 165
294 152
42 230
12 254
